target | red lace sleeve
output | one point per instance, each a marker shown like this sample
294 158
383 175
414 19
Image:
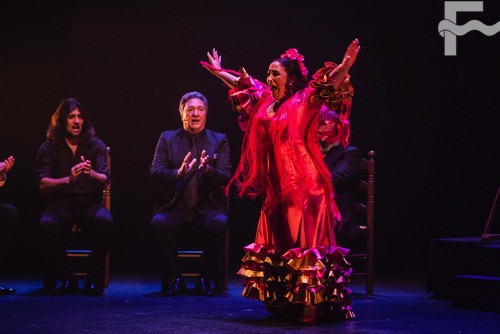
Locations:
244 97
325 93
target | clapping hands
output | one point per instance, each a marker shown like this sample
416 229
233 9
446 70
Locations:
203 167
84 167
6 166
188 164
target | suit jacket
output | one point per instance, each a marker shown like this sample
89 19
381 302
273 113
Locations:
343 164
170 151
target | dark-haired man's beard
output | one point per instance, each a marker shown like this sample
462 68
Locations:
71 134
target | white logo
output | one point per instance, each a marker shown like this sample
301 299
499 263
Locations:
450 30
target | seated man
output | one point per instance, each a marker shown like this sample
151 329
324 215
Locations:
8 219
72 170
192 164
343 164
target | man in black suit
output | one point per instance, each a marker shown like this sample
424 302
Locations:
192 164
8 220
343 164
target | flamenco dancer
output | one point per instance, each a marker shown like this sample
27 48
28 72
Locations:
294 266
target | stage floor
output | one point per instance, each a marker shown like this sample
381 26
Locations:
134 304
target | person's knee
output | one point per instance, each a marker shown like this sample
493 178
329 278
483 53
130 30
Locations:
9 213
104 219
217 223
162 223
49 223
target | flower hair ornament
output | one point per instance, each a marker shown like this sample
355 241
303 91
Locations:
293 54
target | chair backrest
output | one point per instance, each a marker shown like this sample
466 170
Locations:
366 184
106 198
365 207
106 193
487 235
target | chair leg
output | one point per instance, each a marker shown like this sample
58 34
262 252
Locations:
106 271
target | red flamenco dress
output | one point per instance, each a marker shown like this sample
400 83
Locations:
295 261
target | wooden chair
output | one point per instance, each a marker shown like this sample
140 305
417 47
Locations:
487 236
82 254
362 260
190 261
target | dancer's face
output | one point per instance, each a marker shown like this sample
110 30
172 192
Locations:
194 116
277 80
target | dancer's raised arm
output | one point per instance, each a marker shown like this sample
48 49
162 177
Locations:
214 67
341 72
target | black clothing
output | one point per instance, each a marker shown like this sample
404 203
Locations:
77 203
343 164
193 204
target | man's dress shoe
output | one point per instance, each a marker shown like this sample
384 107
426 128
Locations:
6 291
203 287
67 286
93 288
174 286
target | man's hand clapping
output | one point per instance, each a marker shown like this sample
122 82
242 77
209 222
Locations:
203 167
84 167
6 166
186 166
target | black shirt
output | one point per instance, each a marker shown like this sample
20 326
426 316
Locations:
56 160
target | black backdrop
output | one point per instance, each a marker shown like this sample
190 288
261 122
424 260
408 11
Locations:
432 119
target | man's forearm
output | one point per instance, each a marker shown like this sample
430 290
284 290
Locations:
48 184
99 178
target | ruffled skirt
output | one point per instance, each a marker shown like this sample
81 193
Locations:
289 280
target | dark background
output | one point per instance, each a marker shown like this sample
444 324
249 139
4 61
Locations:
433 120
